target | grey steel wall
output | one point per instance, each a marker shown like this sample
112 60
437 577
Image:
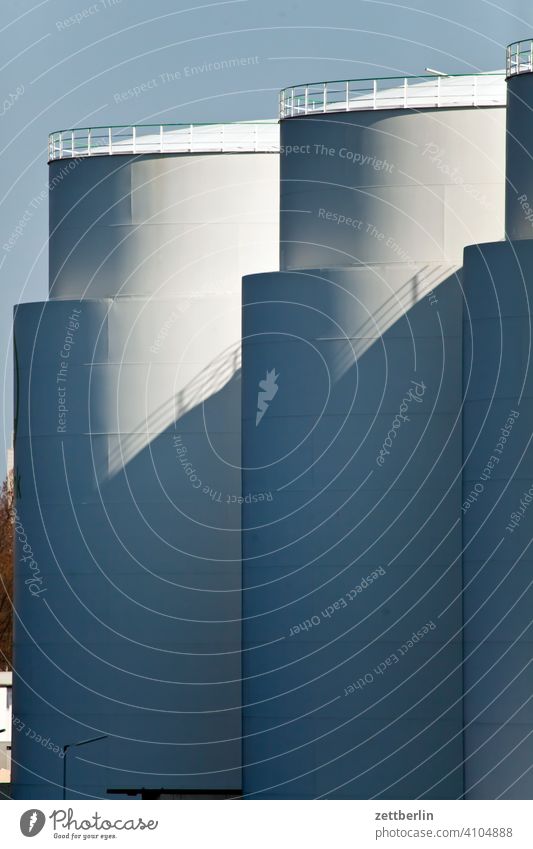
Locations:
352 571
518 163
497 484
497 491
127 458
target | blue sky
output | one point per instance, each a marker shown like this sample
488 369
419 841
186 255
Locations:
72 63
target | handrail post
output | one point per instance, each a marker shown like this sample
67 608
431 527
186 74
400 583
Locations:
306 100
325 98
110 140
61 145
89 142
474 96
72 143
292 103
134 139
375 94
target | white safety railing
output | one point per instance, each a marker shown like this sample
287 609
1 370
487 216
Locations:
519 58
260 137
393 93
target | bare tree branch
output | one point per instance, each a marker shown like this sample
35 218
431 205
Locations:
6 574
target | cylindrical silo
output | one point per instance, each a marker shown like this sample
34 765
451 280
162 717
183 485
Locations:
127 456
498 474
352 440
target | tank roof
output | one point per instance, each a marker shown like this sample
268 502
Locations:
236 137
417 92
519 58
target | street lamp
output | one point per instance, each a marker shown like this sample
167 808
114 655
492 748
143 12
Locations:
68 746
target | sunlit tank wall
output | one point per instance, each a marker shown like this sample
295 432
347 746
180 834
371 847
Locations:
129 500
155 226
414 185
497 486
347 347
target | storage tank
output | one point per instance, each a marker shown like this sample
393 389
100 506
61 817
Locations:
127 457
352 433
498 474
